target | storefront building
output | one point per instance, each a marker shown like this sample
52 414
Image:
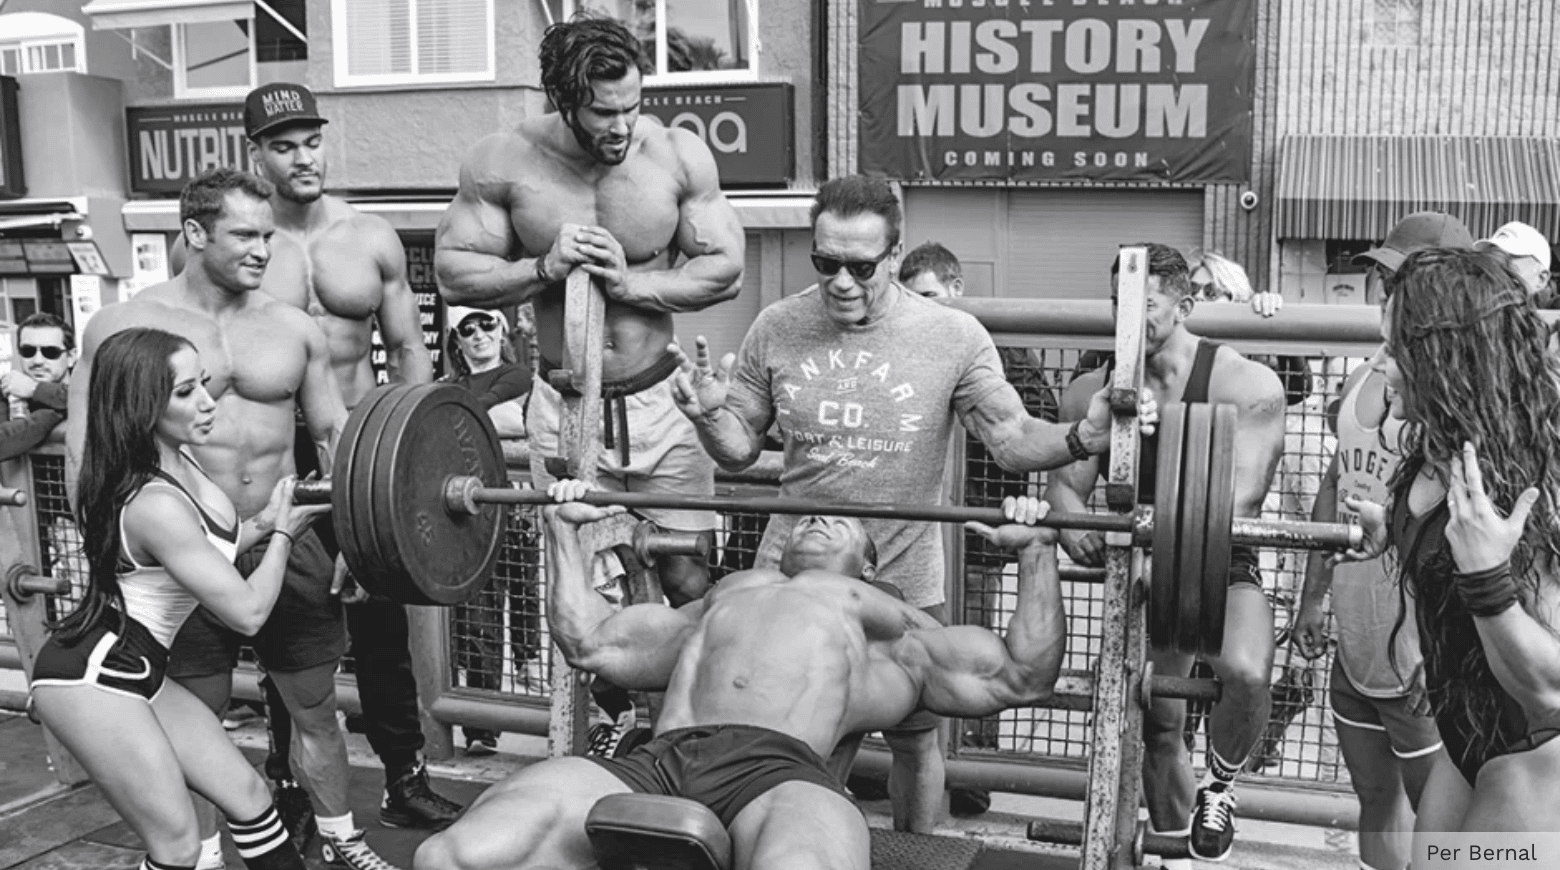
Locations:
409 87
1034 137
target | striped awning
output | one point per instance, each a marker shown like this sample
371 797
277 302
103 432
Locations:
1357 187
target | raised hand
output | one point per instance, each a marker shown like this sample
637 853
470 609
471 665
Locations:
698 388
1479 536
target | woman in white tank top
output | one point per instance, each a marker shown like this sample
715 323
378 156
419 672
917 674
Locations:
159 537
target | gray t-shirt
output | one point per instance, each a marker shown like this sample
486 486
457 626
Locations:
864 413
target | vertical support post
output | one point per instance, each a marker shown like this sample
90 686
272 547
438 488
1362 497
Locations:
26 616
580 438
1115 765
429 632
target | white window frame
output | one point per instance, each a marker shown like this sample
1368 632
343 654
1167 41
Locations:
693 77
181 87
345 79
23 48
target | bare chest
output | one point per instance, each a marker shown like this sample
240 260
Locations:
326 275
637 202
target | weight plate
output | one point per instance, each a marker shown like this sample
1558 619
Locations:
434 556
1167 513
348 506
1190 573
1221 516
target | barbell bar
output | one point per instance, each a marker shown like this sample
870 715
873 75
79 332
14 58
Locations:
420 516
464 493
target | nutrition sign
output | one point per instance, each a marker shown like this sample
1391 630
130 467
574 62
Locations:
1037 90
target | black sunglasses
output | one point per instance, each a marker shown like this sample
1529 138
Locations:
861 270
469 327
49 352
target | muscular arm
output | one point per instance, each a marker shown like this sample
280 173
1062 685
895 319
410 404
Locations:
635 648
400 322
475 245
1524 650
1259 399
969 671
728 439
1068 488
709 234
1019 442
319 396
168 529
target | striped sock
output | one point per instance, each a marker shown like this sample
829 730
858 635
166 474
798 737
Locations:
148 864
263 843
1220 772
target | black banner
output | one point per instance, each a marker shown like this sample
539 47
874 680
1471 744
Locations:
1036 90
170 145
748 127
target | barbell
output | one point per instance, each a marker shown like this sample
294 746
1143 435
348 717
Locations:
419 481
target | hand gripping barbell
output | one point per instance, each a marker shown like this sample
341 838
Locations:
419 477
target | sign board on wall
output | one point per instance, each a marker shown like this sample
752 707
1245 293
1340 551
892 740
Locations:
1037 90
748 127
170 145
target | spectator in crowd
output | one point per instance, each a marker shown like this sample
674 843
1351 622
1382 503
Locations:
47 349
1526 251
483 359
1387 737
933 271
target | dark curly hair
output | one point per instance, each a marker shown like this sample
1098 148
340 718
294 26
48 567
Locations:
1473 353
1175 277
584 49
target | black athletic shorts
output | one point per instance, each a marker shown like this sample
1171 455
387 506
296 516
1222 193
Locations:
306 628
117 654
724 767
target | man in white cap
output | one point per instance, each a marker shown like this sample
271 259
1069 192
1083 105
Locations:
1526 250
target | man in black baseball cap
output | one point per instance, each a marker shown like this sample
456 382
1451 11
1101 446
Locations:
1422 229
280 104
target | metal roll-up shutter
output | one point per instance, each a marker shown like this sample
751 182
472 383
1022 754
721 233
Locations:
1048 243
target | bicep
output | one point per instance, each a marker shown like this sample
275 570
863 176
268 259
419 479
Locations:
1260 422
170 532
399 320
709 224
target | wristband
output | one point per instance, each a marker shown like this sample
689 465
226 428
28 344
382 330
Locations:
1075 443
541 270
290 539
1490 592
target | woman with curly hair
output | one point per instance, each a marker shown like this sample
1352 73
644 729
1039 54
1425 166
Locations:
160 537
1475 524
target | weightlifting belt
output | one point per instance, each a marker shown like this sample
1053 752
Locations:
614 393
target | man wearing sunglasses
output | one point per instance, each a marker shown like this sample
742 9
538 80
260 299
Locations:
597 187
864 378
46 349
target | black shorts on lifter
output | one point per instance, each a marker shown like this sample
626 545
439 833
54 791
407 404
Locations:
306 628
724 767
117 654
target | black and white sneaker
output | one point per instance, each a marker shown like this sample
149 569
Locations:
1213 823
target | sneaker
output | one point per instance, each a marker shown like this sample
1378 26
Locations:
411 802
603 737
865 788
238 715
292 804
352 852
1213 823
480 747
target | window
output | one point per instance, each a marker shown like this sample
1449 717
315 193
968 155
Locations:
689 40
392 42
226 59
37 42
